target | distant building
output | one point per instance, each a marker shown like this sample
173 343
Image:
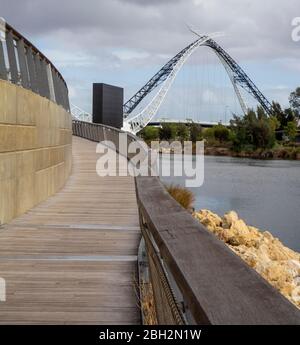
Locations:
108 105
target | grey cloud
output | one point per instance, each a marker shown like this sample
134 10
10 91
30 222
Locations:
152 30
152 2
252 28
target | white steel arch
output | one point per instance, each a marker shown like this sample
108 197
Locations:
166 76
80 114
135 123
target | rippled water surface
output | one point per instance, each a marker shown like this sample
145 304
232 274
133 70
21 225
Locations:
265 194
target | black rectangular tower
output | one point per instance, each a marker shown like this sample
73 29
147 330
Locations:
108 105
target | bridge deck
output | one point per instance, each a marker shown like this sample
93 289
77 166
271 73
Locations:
72 259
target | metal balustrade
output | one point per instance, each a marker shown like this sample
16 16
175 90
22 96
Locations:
23 64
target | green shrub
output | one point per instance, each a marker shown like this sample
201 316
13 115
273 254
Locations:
290 130
167 131
221 133
254 128
209 133
182 132
149 133
196 132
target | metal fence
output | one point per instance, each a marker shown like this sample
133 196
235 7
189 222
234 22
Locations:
97 132
23 64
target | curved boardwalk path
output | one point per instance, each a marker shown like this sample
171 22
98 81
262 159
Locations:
72 259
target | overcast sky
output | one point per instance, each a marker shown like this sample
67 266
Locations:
124 42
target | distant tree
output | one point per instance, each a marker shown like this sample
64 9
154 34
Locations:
274 122
283 116
263 135
209 133
221 133
254 129
195 132
168 131
290 115
260 113
278 113
291 130
276 108
182 132
294 100
239 132
149 133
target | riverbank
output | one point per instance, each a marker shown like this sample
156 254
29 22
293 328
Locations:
279 265
287 153
292 153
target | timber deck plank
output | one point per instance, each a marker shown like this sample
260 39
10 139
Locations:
72 258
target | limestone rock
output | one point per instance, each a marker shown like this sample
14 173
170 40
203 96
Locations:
279 265
209 219
229 218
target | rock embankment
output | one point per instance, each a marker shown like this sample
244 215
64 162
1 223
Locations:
279 265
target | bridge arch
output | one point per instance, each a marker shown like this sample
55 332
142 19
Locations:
167 74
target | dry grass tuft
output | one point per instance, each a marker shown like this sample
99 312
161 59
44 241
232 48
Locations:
144 293
147 304
182 195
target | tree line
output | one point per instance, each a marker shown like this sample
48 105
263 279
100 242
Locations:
251 131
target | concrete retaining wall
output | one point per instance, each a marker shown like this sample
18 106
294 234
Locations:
35 149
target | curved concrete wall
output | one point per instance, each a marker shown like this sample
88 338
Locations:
35 149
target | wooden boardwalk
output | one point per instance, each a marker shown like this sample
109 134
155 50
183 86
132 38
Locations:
72 259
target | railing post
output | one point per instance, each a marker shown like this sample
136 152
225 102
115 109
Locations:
50 82
12 57
38 72
32 70
3 70
94 133
44 79
22 63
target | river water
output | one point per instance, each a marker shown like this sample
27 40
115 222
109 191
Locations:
265 193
